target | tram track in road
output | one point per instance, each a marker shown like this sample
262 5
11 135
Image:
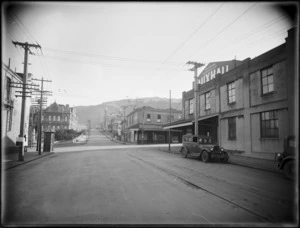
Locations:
197 187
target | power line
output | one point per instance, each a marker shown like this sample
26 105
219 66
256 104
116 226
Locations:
182 44
226 27
190 36
25 28
99 64
106 56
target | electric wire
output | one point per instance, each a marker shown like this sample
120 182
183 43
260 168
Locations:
106 56
99 64
190 36
226 27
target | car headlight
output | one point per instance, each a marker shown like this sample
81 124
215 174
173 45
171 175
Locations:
222 149
211 149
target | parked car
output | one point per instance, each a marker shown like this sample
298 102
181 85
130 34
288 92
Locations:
203 146
286 160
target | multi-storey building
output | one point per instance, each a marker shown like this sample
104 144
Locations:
144 125
11 108
55 117
250 108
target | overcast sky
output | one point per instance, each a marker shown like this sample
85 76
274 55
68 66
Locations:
97 52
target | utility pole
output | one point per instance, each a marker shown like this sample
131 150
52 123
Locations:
170 125
195 69
26 47
124 107
41 93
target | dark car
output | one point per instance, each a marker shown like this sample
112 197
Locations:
203 146
286 160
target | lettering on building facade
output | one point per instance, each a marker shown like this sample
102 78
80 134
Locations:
212 69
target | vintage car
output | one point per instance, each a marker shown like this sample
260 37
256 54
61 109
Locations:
286 160
202 146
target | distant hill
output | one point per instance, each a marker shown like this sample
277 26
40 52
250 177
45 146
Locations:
95 113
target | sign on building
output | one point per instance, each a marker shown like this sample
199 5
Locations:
212 69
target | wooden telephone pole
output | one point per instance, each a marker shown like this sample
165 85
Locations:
41 100
195 69
26 47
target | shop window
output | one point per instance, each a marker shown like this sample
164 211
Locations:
231 92
269 124
267 80
231 128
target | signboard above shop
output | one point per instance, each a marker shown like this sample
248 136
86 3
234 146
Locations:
214 68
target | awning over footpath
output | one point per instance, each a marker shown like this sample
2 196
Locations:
179 123
148 127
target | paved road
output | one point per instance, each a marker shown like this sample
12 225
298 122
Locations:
142 186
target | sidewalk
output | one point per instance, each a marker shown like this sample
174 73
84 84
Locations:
262 164
11 160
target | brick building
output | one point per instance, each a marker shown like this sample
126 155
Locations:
250 108
55 116
145 125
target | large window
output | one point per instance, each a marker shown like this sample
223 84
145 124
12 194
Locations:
269 124
232 128
158 118
231 92
267 80
191 106
207 100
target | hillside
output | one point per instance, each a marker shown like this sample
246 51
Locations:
95 113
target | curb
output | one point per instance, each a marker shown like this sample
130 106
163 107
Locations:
22 163
230 162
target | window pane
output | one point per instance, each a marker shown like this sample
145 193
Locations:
270 79
264 73
270 70
271 87
233 92
265 89
265 81
267 115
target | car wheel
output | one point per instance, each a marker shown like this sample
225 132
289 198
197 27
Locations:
289 170
204 156
184 152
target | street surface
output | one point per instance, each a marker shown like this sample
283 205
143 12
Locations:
141 185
